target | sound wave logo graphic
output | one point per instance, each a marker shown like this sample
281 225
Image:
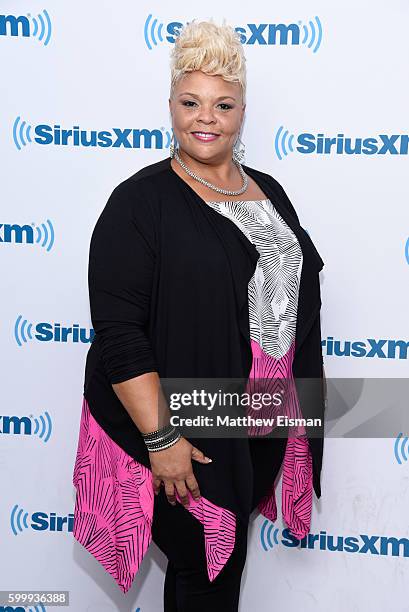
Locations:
21 133
45 235
312 34
22 330
407 250
283 143
152 31
42 426
41 27
268 535
18 520
168 137
401 448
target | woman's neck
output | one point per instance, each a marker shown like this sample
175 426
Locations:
219 173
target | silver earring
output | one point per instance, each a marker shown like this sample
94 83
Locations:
239 151
173 145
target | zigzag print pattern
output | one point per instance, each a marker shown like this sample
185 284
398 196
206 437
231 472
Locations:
219 528
273 301
114 502
273 289
297 489
273 376
296 502
114 508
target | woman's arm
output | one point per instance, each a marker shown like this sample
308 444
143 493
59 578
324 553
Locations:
120 275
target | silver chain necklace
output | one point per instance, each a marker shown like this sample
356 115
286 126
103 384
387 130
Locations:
210 185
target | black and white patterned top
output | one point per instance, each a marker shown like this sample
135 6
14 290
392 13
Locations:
273 289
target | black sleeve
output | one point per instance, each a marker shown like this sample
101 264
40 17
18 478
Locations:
120 272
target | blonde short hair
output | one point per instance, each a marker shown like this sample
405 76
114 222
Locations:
213 49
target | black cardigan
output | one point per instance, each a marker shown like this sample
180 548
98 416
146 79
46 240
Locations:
168 281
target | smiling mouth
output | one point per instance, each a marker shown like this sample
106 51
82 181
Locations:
205 136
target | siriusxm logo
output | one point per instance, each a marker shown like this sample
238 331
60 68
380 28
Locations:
27 426
127 138
34 27
384 349
363 543
50 332
307 34
20 520
319 144
42 234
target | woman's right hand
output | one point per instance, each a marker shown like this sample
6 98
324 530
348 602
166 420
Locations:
173 466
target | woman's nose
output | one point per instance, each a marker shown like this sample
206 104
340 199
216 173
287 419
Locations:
206 114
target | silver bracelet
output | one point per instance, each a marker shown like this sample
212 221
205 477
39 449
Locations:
153 434
159 447
161 438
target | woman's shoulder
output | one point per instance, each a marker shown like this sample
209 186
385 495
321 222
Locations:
152 172
138 195
144 181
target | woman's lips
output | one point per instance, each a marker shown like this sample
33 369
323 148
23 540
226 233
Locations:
205 137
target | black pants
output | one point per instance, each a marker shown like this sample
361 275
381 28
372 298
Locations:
180 536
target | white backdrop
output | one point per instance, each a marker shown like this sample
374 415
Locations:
332 68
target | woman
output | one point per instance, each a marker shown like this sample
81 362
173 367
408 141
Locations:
198 268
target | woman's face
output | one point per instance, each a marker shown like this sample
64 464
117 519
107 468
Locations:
206 104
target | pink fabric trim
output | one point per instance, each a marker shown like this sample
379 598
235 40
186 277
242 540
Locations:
297 476
114 508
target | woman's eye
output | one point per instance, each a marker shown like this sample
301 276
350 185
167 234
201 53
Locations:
189 102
